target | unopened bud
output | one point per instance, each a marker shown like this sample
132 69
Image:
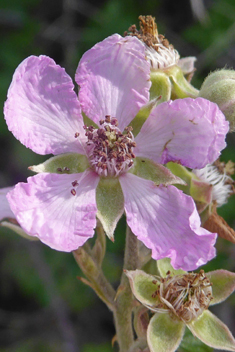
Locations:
219 87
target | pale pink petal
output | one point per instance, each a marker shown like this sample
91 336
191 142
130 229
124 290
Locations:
114 79
189 131
42 110
45 207
166 221
5 210
187 64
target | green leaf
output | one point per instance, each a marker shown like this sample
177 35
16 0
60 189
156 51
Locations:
149 170
212 331
143 287
69 163
164 333
223 284
191 343
110 204
164 265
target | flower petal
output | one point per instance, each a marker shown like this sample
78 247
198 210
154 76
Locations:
187 64
42 110
114 79
61 214
164 333
5 210
212 331
166 221
190 132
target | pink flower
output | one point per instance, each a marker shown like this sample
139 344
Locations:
102 171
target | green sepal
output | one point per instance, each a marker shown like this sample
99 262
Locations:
110 204
18 230
212 331
181 87
143 287
142 116
201 191
164 333
164 266
182 172
69 163
223 284
88 121
191 343
159 174
161 86
141 321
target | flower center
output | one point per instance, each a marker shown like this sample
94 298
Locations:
187 296
109 150
159 52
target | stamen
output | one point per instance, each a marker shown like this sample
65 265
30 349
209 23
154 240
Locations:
185 295
218 177
110 151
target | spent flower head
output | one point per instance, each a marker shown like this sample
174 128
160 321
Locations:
178 299
170 75
101 168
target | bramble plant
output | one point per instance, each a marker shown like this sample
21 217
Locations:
138 140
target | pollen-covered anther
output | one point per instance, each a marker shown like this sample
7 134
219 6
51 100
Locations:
110 150
187 296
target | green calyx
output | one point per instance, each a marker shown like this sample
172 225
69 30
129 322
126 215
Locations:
171 84
164 333
200 191
165 267
148 169
167 326
110 204
69 163
181 88
143 287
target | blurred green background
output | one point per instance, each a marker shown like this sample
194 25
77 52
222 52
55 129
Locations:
43 307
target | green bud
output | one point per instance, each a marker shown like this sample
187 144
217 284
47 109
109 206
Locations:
219 87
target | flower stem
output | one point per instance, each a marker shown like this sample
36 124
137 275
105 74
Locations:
124 298
90 262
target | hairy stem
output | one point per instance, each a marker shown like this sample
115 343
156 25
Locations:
90 261
124 298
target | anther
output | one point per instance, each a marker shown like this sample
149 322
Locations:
73 192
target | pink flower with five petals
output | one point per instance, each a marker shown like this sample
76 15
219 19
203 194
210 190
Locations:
103 170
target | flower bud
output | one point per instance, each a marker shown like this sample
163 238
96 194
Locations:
219 87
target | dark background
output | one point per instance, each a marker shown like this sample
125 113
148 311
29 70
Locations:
43 307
